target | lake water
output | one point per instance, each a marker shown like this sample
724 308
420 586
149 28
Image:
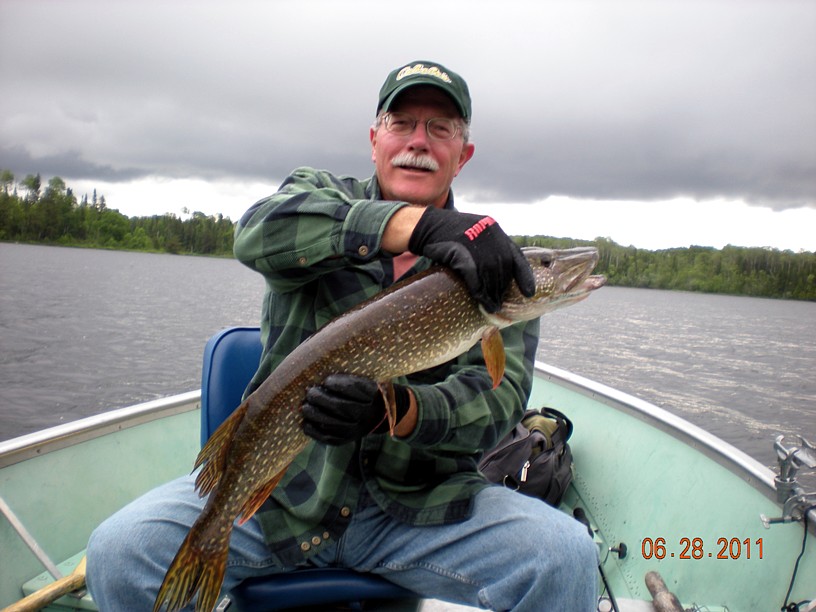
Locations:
83 331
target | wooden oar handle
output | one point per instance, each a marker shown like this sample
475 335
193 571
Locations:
41 598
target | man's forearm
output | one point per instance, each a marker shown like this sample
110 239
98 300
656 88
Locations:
399 228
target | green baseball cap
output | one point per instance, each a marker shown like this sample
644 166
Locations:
425 73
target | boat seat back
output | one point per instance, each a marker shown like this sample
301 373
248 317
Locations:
231 358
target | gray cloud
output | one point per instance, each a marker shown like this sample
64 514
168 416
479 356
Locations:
67 163
631 100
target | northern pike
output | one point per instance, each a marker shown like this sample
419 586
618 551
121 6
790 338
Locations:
416 324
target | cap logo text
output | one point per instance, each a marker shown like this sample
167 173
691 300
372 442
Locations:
422 69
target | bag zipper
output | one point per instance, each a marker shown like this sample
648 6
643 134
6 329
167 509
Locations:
524 469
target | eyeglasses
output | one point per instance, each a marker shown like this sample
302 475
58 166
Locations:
437 128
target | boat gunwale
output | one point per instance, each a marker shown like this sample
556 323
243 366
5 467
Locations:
728 456
62 436
65 435
723 453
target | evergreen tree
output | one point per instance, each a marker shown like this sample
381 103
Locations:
55 217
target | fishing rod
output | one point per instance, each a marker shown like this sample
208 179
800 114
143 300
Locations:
581 517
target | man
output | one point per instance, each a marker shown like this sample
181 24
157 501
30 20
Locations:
411 507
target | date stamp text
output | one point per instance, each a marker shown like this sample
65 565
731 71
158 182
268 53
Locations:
696 548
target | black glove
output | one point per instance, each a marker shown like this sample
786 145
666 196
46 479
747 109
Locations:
344 408
477 249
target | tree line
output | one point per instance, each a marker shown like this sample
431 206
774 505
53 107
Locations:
757 272
54 216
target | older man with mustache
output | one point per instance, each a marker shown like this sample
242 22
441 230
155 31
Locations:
413 506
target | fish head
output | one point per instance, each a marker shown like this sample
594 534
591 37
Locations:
562 277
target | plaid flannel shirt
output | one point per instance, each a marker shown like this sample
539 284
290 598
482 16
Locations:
317 242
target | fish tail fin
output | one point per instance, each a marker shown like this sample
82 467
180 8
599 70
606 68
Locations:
195 569
214 454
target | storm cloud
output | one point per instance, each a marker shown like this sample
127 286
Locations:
625 100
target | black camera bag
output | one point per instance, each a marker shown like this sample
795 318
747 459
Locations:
534 458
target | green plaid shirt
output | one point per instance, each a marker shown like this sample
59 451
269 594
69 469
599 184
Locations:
317 242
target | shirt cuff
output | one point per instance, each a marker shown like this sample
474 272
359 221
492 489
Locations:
364 226
433 418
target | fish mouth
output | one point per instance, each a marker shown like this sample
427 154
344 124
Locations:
592 282
570 269
563 277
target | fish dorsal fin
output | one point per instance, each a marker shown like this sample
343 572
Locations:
214 454
493 351
260 495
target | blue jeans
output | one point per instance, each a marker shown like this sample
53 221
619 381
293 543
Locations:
515 553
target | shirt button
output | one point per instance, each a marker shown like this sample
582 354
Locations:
302 261
362 251
345 511
316 540
305 546
326 535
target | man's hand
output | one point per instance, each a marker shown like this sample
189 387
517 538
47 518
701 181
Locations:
344 408
477 249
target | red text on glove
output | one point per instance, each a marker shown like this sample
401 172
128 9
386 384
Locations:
478 227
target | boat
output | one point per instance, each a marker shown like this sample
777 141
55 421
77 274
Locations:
678 515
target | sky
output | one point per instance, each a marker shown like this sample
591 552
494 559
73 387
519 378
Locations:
657 124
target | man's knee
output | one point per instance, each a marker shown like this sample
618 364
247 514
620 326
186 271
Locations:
106 559
106 544
576 551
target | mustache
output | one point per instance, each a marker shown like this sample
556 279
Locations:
412 160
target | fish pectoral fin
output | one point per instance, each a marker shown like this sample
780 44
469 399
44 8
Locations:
493 351
214 454
260 495
390 400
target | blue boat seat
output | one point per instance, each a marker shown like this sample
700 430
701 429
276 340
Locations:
231 358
